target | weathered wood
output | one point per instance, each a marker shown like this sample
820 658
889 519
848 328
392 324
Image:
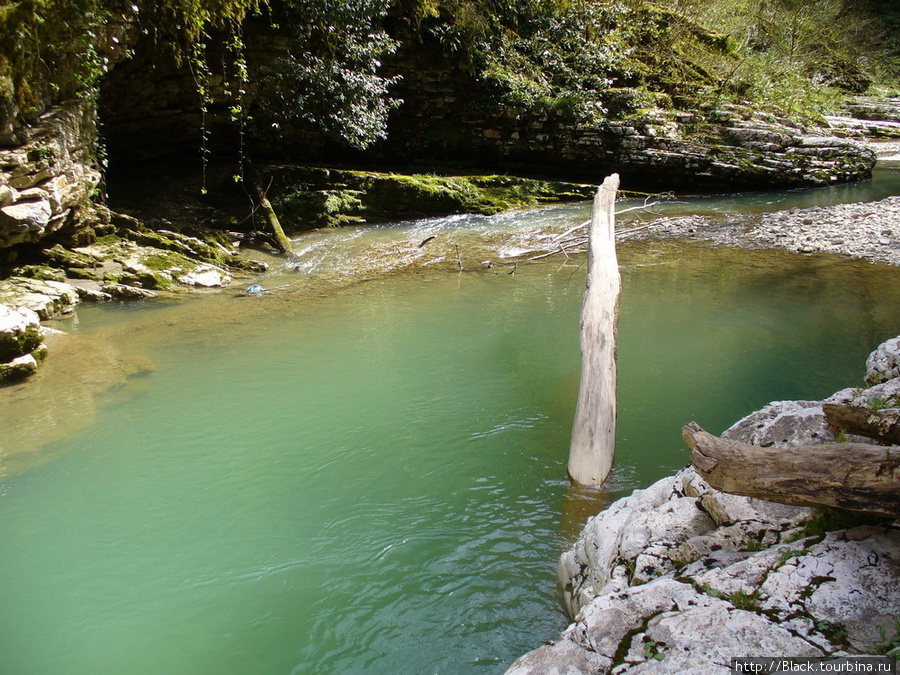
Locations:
882 425
853 476
594 430
263 205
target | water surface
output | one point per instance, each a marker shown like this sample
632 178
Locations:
369 476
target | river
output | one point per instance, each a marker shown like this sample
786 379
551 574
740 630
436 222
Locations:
364 470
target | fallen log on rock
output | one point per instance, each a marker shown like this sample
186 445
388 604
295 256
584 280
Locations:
852 476
882 425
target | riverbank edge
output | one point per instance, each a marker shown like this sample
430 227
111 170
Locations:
680 577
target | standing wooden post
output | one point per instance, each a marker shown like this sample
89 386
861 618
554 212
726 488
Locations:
594 431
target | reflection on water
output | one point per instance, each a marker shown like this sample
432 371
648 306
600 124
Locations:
365 472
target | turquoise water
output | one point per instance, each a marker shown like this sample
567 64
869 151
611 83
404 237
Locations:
372 479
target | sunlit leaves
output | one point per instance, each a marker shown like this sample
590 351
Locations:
330 77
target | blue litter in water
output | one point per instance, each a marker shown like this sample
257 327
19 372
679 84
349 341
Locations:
255 289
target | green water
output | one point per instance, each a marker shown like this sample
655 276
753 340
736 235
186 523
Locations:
372 479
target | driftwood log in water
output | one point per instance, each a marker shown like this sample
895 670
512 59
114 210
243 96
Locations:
594 430
263 205
853 476
882 425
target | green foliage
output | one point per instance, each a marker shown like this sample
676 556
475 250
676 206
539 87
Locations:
584 60
829 519
329 78
564 63
654 651
51 50
188 21
888 645
795 55
747 601
881 402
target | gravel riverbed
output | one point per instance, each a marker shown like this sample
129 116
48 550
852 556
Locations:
866 230
869 230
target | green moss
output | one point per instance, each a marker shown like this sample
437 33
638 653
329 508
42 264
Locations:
40 272
83 273
323 198
147 279
162 261
13 345
66 259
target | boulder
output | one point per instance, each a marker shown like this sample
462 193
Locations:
124 292
785 424
883 364
24 221
20 332
206 276
17 369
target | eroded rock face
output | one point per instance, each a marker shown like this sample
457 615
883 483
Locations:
680 577
47 181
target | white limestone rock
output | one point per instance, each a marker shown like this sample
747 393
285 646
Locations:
608 619
784 424
851 580
703 638
883 364
631 539
8 195
206 276
17 321
44 297
125 292
24 222
560 658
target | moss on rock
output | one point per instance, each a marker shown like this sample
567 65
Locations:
17 343
311 197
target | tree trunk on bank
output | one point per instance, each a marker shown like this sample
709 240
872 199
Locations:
259 195
852 476
594 430
882 425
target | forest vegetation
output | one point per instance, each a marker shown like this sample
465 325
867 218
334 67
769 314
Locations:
579 60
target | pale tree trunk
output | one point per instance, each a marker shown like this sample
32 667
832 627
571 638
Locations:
594 431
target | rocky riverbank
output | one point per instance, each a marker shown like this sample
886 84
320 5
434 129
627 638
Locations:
680 577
